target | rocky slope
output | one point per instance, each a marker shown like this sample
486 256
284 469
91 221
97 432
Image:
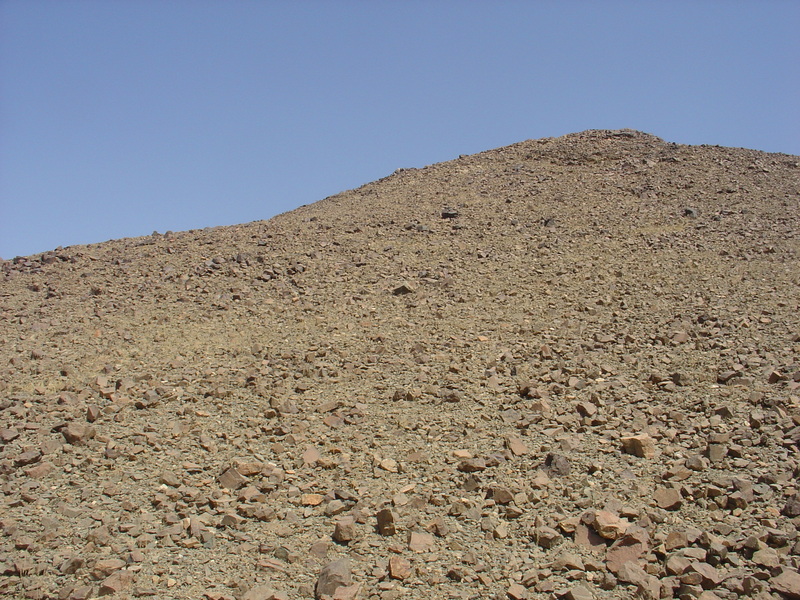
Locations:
563 368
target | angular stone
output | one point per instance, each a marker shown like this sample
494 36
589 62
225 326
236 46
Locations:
79 592
501 495
249 468
8 435
232 479
78 434
100 536
387 522
312 499
319 549
668 498
500 532
349 592
588 538
403 288
260 592
472 465
606 524
641 445
767 557
516 445
709 576
116 583
517 592
787 583
647 586
232 521
578 592
169 478
540 481
27 458
389 464
557 464
335 507
40 470
438 527
792 507
345 530
626 549
707 595
92 413
333 576
70 565
676 539
106 566
311 456
449 213
567 561
676 564
546 537
420 542
716 452
399 568
737 500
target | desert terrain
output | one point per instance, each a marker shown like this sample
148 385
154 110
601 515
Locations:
566 368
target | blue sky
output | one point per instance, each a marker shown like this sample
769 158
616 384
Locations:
120 118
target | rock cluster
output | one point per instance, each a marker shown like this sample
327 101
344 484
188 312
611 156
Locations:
566 368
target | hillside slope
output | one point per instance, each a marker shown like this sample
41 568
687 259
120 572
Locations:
563 368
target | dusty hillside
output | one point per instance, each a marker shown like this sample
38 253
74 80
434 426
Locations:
564 368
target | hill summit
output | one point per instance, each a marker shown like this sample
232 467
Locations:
566 368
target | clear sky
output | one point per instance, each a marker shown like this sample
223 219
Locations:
123 117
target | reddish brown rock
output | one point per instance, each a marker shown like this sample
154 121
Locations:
709 577
334 575
387 522
787 583
676 539
232 479
578 592
668 498
92 413
8 434
606 524
588 538
312 499
517 592
107 566
647 585
345 530
78 434
79 592
170 478
516 445
792 507
116 583
676 564
260 592
547 537
630 547
472 465
311 456
399 568
641 445
27 458
420 542
502 495
41 470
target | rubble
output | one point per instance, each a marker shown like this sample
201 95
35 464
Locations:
529 373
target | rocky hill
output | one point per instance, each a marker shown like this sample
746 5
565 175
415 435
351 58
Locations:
566 368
